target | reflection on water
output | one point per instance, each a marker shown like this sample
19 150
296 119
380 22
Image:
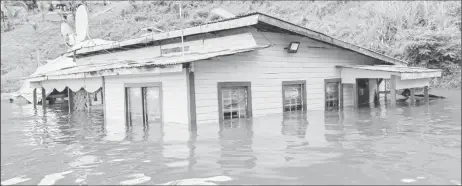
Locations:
294 124
372 145
236 147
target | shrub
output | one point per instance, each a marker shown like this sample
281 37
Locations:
196 22
123 13
213 18
202 13
140 18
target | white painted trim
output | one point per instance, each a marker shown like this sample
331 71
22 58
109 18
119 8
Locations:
116 72
349 75
420 75
411 83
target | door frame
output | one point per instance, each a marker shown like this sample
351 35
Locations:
357 91
141 85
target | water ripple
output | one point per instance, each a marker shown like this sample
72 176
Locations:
371 145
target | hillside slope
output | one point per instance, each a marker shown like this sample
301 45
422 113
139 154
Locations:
424 33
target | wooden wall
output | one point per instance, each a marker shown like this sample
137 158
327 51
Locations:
267 68
174 98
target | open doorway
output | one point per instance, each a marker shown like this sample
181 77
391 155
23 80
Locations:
362 91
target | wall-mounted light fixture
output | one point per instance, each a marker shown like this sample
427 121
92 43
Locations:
293 47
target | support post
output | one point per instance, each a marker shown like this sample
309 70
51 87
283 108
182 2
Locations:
70 97
393 90
355 95
102 100
189 71
341 96
68 101
427 98
377 93
73 56
103 96
44 98
34 97
412 96
87 100
385 90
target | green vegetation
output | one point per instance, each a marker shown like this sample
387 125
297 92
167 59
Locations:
425 33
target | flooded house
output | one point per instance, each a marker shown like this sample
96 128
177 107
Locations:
247 66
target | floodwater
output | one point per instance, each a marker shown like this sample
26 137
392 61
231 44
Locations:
406 145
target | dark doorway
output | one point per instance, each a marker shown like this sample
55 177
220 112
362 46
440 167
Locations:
363 91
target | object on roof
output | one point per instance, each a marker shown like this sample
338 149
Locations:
81 23
68 33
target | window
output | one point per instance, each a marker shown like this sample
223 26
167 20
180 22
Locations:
332 90
293 96
143 104
234 100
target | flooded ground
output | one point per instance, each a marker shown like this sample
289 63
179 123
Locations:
407 145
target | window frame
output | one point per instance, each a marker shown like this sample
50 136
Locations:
246 84
333 80
296 82
141 86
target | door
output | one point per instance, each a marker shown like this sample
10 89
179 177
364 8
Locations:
144 112
362 91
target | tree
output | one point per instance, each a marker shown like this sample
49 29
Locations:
10 10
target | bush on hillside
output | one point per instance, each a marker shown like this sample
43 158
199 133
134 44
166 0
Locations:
425 33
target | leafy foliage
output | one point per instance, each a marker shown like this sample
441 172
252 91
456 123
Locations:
425 33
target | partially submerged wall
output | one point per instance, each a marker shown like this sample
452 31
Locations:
267 68
174 102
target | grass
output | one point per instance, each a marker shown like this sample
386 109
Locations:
405 30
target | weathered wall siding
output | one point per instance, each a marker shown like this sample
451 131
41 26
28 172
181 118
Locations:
267 68
174 97
347 95
372 89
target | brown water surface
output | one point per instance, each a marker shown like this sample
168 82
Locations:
407 145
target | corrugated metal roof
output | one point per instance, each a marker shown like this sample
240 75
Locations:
91 43
149 62
391 68
55 64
